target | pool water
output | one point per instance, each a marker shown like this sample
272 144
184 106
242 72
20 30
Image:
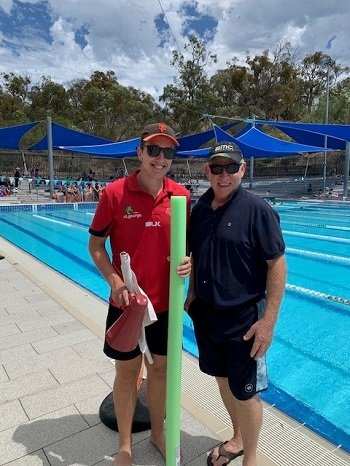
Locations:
308 362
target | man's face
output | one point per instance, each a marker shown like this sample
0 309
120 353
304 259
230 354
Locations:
155 165
224 184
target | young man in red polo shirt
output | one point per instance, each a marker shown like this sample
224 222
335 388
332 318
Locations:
134 212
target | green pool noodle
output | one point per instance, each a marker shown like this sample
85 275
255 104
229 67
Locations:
176 309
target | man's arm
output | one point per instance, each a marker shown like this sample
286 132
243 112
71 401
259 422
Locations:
99 254
275 286
262 331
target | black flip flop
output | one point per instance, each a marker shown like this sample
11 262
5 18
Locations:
225 454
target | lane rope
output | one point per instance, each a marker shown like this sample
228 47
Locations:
319 255
335 239
318 294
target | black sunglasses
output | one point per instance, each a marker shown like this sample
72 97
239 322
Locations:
219 169
168 152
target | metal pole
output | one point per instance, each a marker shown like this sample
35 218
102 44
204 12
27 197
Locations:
125 167
189 169
25 164
251 172
325 138
346 171
50 153
307 166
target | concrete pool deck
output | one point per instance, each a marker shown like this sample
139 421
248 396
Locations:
54 377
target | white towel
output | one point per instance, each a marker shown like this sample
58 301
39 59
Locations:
130 281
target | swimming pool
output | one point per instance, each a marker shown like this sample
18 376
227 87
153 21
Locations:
309 364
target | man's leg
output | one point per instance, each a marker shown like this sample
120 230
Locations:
125 397
249 417
246 417
235 444
156 394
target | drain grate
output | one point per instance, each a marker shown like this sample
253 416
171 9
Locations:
281 442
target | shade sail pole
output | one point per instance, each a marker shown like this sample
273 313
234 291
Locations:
50 153
25 164
125 167
176 307
251 172
189 169
307 166
346 171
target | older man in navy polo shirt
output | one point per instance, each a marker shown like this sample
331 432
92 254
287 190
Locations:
236 288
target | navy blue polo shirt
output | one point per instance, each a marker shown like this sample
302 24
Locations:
230 246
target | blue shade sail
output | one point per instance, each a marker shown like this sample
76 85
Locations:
10 137
66 136
335 131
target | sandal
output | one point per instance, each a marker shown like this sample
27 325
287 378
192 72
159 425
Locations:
224 453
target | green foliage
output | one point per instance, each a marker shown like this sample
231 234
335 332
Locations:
274 85
191 96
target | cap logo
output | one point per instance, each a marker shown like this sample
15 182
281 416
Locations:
162 128
224 147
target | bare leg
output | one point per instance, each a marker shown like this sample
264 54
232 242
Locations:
125 396
246 417
235 444
249 416
156 393
228 400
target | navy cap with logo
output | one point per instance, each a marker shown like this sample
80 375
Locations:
158 129
229 150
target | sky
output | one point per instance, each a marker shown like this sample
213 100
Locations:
69 39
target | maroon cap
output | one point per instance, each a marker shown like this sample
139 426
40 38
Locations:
158 129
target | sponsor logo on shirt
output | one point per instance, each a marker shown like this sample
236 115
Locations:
129 213
152 224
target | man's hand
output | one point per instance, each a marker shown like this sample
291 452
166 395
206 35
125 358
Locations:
184 269
262 331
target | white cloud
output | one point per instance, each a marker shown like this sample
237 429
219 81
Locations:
122 36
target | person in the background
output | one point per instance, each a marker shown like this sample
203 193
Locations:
236 287
134 212
96 192
17 176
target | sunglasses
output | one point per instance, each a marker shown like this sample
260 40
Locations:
168 152
219 169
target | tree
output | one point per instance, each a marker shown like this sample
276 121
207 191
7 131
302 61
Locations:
228 85
339 104
14 98
104 107
49 99
273 83
190 97
16 86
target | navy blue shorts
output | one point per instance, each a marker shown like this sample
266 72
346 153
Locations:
222 350
156 336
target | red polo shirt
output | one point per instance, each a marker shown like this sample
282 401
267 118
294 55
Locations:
139 224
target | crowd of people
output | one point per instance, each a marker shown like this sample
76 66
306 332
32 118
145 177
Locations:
78 191
9 185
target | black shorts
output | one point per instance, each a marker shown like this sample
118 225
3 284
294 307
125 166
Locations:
156 336
222 350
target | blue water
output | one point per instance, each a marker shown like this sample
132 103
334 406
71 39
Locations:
309 363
